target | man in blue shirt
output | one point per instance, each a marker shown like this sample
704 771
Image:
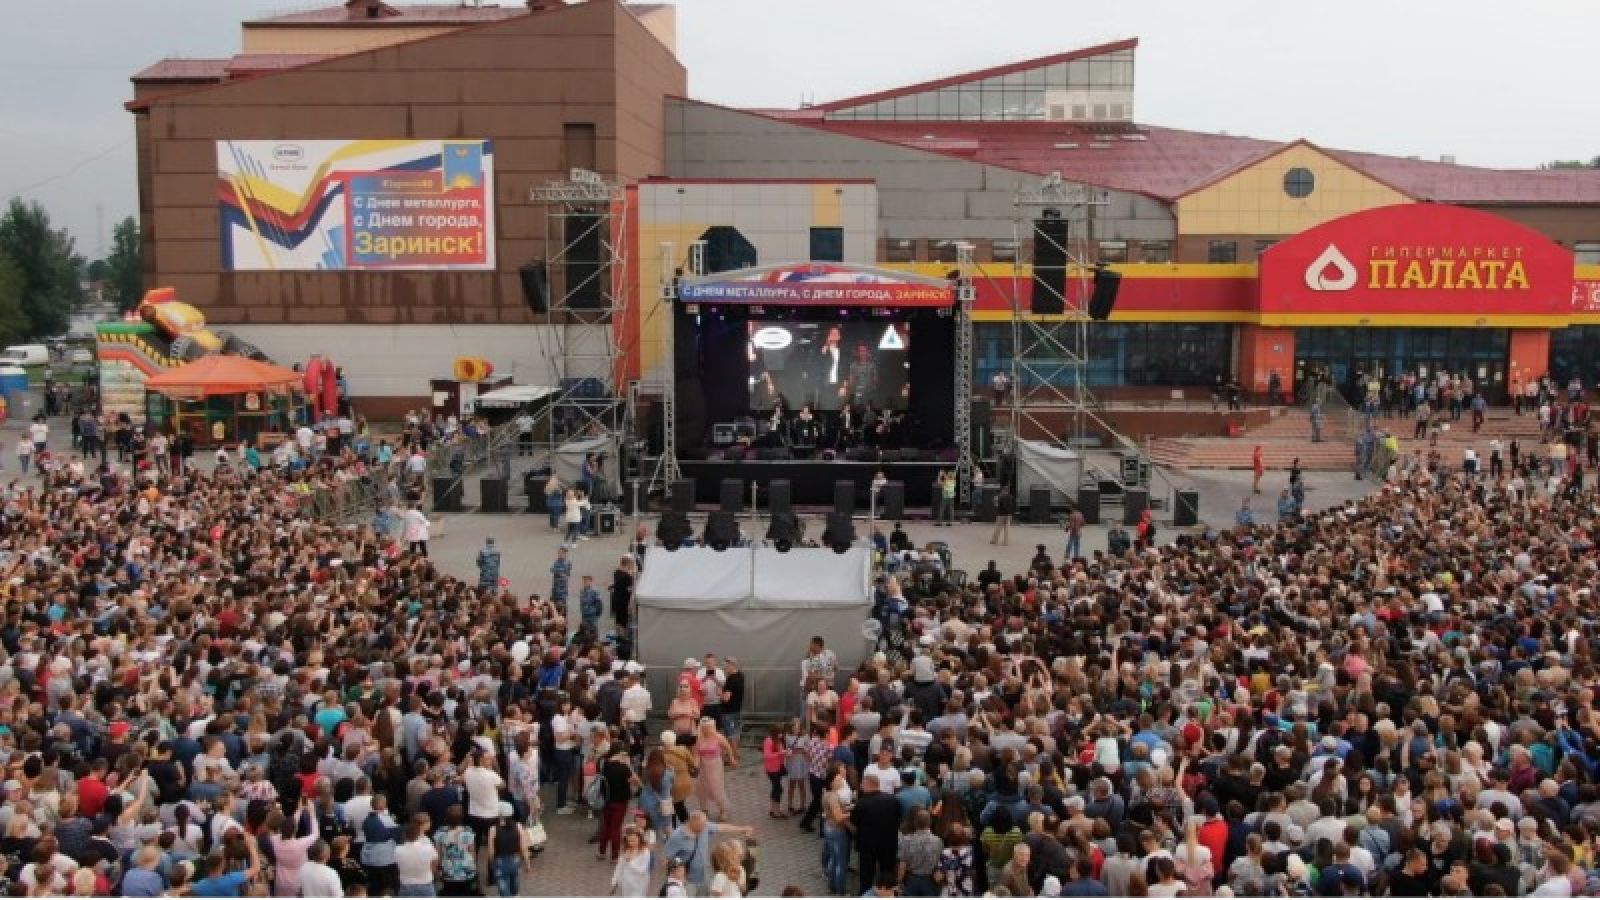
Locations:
590 604
560 575
143 880
230 884
691 842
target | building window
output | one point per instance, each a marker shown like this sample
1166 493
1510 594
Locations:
1003 251
827 244
899 250
1155 251
943 251
1298 182
577 146
1222 252
1587 252
1113 251
1120 354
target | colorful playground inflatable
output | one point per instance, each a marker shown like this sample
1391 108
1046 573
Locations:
163 335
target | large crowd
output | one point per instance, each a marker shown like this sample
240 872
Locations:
205 690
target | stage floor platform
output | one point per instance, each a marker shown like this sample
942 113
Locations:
811 481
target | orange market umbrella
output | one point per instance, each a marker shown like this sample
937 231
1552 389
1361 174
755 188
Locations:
220 376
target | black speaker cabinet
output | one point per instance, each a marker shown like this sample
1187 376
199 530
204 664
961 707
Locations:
731 495
778 497
844 497
683 496
892 501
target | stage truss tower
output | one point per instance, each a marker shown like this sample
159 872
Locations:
586 245
1050 353
964 294
662 381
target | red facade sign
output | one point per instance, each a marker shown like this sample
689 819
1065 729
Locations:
1417 259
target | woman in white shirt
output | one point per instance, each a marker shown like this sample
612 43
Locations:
418 862
565 759
631 877
417 530
728 860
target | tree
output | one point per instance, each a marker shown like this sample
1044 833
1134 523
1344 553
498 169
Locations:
13 322
49 268
98 270
1573 164
124 267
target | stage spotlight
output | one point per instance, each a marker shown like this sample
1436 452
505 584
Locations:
721 531
840 533
785 531
673 529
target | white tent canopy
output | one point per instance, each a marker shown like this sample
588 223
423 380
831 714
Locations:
755 604
1040 464
513 396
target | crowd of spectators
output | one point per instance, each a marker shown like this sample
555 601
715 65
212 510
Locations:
206 690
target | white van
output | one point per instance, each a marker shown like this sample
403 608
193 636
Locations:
25 355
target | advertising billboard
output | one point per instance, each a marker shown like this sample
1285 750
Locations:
1418 259
356 205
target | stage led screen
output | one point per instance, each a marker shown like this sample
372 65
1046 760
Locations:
828 365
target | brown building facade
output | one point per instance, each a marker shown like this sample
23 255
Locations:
552 87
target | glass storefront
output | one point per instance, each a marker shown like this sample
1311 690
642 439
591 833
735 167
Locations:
1347 352
1123 354
1575 351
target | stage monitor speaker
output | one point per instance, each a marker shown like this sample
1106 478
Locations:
732 495
1049 265
606 519
840 533
447 495
1039 505
785 531
494 495
892 500
535 286
673 530
1106 284
1134 502
1186 509
1089 505
982 412
983 506
778 497
722 531
585 262
683 496
844 497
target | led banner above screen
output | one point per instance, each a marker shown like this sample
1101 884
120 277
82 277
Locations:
356 205
815 285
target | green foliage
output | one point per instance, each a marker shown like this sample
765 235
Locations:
124 267
13 321
49 268
1573 164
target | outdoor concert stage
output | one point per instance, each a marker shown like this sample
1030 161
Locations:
810 481
815 373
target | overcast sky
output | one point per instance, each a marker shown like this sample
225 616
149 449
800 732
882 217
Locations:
1472 78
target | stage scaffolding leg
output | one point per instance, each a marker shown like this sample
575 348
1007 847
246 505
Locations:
963 372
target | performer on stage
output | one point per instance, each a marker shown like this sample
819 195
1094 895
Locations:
861 384
767 394
806 431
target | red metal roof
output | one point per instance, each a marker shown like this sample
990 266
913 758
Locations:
1168 163
1161 162
255 63
1025 65
398 14
1451 183
184 70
